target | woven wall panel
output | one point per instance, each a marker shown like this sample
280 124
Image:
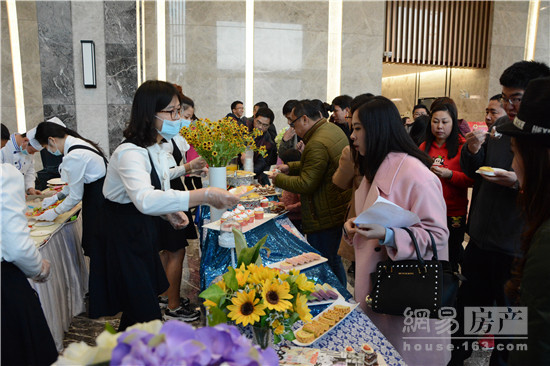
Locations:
446 33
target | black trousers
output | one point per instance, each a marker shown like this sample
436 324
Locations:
26 337
457 228
486 275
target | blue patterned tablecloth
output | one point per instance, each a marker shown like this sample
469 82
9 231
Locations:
355 330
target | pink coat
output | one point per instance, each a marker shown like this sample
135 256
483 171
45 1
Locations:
407 182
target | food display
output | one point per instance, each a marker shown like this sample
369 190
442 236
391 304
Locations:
323 294
265 190
371 358
276 207
238 178
300 260
323 323
242 190
37 211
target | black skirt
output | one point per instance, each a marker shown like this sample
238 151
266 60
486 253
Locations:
26 337
129 275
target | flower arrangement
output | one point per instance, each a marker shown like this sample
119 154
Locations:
257 295
219 142
171 343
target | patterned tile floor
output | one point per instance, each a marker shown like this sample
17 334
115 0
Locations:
86 330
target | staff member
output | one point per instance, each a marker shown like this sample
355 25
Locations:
26 338
137 188
83 168
19 152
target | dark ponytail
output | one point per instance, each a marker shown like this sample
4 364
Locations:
44 130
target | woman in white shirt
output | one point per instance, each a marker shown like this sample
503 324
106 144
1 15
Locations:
26 338
137 188
83 169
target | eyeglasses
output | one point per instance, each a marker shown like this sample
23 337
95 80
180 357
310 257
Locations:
514 101
291 124
174 113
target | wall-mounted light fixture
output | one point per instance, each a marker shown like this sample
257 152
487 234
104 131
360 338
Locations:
88 64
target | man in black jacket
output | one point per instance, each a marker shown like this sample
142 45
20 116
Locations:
495 222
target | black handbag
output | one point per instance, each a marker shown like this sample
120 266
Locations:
415 284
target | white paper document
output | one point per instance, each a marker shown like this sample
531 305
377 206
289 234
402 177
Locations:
387 214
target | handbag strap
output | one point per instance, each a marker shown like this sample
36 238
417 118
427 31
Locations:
417 249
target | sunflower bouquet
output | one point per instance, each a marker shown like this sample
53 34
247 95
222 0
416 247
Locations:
260 296
219 142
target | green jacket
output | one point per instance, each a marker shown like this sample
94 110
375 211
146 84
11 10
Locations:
324 205
535 294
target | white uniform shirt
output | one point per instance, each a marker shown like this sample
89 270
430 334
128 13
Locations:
181 143
128 180
11 154
16 245
78 168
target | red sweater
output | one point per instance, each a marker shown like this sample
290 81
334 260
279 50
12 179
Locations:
455 190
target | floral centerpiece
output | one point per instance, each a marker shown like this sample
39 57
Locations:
171 343
263 297
219 142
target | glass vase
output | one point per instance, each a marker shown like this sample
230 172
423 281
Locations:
262 336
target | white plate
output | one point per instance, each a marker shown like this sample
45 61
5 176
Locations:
44 223
340 301
216 224
56 182
40 232
299 267
490 174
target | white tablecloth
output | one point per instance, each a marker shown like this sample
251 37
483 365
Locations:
62 296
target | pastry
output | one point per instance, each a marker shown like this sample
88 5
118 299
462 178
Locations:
305 337
486 169
259 213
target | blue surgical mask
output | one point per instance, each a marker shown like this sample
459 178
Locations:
185 122
56 152
170 128
23 150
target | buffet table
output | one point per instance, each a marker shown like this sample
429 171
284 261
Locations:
62 296
354 331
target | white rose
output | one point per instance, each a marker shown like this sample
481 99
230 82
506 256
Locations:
77 354
152 327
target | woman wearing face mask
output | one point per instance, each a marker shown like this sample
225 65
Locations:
136 189
444 144
83 169
394 168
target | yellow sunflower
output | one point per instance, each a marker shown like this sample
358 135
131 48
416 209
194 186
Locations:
245 308
276 295
302 309
278 328
209 303
304 284
242 275
260 274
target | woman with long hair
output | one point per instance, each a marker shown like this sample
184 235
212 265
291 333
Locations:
444 144
529 285
172 242
394 168
83 168
136 189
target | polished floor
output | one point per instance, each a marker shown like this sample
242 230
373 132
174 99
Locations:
86 330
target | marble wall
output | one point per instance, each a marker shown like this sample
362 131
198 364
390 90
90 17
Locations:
55 42
121 65
206 51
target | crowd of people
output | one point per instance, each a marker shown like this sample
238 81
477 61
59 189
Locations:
331 168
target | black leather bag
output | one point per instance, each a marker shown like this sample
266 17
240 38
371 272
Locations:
415 284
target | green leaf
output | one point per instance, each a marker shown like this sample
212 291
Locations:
289 336
213 293
109 328
216 316
276 338
230 279
295 316
240 242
